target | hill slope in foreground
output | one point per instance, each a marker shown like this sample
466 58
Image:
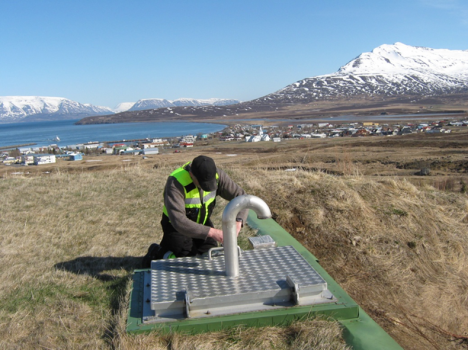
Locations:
72 233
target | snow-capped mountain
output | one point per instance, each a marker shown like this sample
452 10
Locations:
389 73
389 79
154 103
389 70
183 102
35 108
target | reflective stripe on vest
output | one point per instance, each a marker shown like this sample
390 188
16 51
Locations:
192 195
206 197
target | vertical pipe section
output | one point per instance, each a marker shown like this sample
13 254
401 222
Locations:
231 255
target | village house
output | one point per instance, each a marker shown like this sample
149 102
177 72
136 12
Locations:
44 159
148 151
361 132
27 159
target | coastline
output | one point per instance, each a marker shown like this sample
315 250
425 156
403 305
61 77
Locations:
290 118
42 134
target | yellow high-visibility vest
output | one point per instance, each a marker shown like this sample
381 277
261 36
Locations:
197 209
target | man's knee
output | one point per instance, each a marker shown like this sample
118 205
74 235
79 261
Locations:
177 243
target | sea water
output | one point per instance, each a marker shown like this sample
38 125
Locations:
46 133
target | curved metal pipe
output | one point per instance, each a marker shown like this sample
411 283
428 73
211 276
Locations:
231 256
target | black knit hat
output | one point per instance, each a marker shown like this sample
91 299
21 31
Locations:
204 169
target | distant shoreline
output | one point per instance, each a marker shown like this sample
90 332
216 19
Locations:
43 134
302 119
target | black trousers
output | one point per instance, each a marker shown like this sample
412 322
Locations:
180 244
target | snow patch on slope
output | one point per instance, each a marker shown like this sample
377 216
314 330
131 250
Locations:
123 107
400 58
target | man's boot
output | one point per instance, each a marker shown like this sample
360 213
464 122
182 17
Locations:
150 255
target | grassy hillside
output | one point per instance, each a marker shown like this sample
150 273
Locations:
71 236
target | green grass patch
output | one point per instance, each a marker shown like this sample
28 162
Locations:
97 295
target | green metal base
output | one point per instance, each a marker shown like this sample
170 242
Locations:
360 330
263 318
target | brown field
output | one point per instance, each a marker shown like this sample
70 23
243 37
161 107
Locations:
72 233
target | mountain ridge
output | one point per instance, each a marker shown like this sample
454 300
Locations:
389 70
391 79
154 103
43 108
40 108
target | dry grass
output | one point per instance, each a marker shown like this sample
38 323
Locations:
308 334
69 243
398 250
71 235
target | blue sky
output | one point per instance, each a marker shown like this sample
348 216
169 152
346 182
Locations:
105 52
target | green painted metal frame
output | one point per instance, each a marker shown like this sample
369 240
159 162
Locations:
360 330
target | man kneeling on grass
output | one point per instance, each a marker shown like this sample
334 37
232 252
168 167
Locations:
189 199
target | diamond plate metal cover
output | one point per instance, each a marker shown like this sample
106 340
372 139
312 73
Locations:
262 276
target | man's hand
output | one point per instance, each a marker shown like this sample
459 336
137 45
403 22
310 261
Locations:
238 227
216 234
